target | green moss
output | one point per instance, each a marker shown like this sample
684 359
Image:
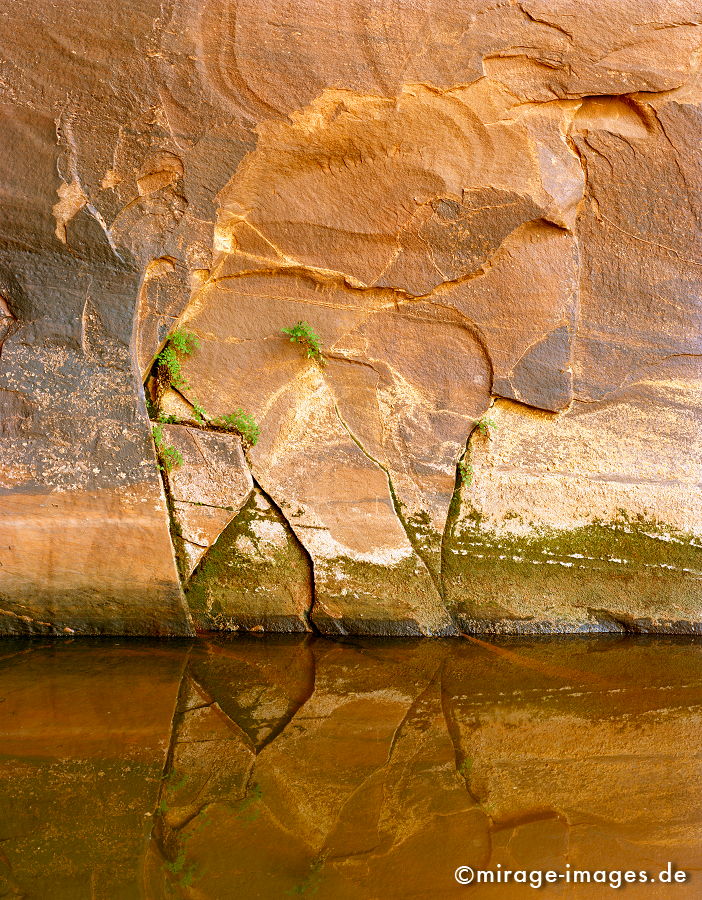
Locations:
249 809
626 563
231 588
639 544
425 540
310 886
378 598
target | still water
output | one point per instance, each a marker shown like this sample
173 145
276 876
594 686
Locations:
286 767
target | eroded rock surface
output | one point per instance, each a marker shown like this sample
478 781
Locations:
256 576
487 213
207 489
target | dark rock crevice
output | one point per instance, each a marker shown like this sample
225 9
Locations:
295 540
412 533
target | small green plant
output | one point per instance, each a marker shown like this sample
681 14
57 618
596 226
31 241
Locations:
169 368
303 333
484 425
199 413
183 342
242 423
169 373
169 457
466 470
465 767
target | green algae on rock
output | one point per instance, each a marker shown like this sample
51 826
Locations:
624 576
255 575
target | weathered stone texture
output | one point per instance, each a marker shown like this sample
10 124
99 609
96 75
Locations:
207 490
485 211
255 577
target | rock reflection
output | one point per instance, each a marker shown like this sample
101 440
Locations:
273 767
84 734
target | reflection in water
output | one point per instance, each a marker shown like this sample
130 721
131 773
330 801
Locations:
275 767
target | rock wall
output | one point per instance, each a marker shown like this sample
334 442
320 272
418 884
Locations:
490 216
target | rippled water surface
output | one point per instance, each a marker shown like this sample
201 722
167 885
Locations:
269 768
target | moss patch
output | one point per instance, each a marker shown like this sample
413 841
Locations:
364 597
255 576
601 576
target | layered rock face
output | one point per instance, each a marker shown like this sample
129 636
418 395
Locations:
490 217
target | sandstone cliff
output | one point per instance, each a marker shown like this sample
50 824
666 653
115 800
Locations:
490 216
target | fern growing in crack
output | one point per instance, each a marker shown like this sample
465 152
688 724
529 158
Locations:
199 413
184 342
169 457
168 372
242 423
169 366
302 333
484 425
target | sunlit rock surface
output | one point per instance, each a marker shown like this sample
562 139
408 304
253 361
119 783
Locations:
263 767
488 213
207 489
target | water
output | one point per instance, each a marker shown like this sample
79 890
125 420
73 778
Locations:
283 767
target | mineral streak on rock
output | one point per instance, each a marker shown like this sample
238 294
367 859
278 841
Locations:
484 211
